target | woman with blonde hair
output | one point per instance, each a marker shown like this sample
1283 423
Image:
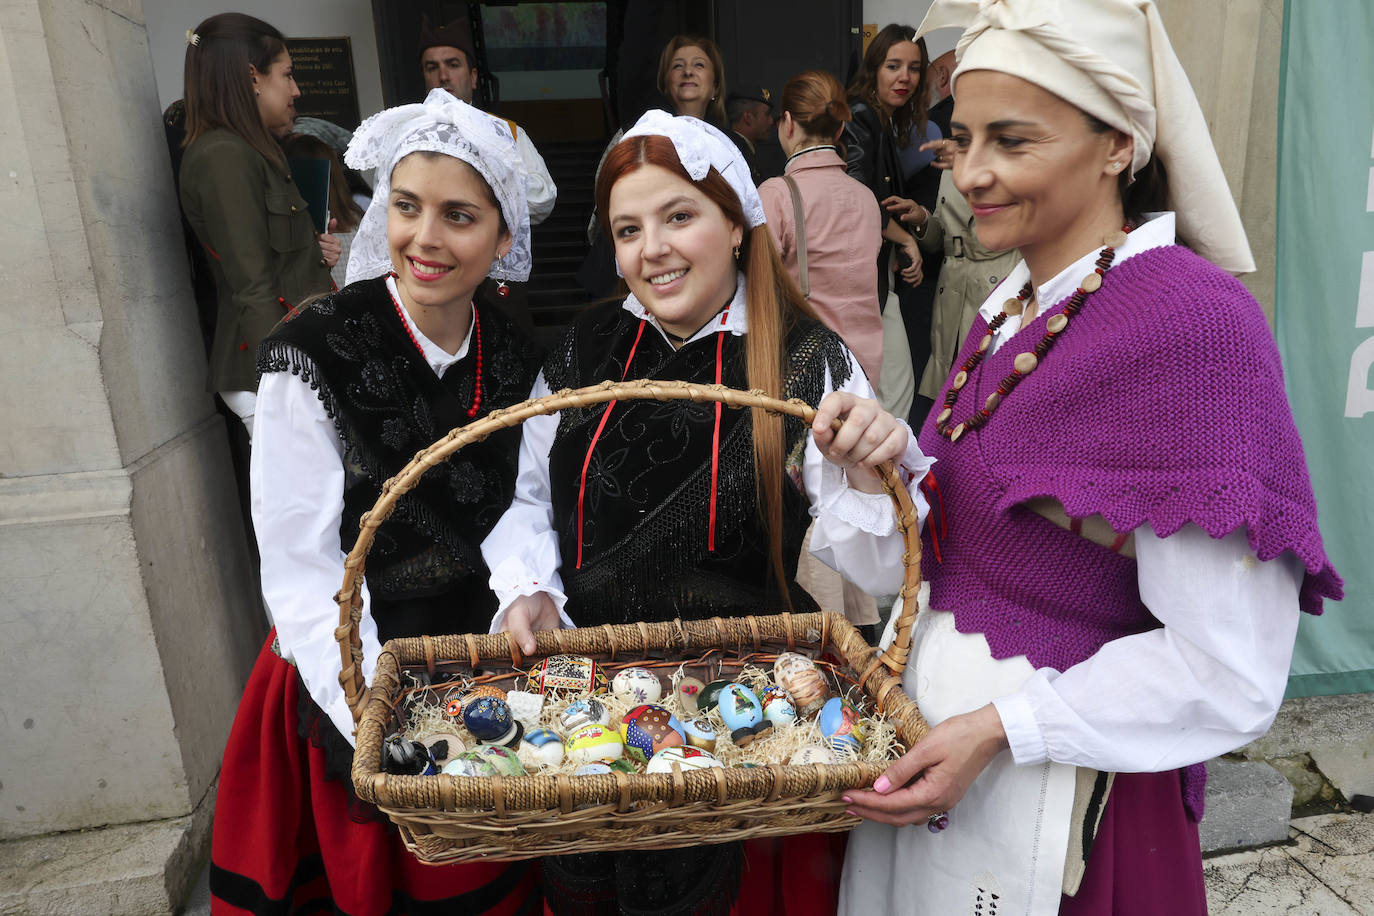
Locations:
645 511
1129 532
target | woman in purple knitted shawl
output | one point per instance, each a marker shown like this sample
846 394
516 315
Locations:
1128 531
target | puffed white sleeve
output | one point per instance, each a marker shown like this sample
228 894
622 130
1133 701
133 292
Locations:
297 477
855 533
522 550
543 193
1208 681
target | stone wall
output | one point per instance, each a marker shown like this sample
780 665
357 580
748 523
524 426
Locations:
129 619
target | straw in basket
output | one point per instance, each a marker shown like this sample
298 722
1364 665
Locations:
445 819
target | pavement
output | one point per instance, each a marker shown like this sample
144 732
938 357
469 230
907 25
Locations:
1326 868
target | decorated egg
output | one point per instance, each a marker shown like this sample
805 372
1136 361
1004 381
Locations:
710 695
839 724
688 758
570 673
542 745
700 734
587 711
444 746
813 753
687 689
646 730
526 708
467 765
777 706
407 758
592 743
743 715
802 680
593 769
490 722
635 686
622 766
504 760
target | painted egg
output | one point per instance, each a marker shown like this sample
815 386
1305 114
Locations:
700 734
407 758
490 722
777 706
592 743
635 686
688 758
504 760
839 723
802 680
688 690
468 765
742 714
710 695
623 766
526 708
813 753
444 746
587 711
571 673
593 769
646 730
542 745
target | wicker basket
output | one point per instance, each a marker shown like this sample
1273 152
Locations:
445 819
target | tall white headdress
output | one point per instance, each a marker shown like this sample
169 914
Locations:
1112 59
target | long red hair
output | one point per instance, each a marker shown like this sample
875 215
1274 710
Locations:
775 305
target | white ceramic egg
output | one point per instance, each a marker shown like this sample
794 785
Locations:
637 686
688 758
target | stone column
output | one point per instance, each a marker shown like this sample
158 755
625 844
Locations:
128 614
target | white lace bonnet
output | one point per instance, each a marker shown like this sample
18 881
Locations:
443 124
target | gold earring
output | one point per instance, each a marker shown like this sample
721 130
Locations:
736 252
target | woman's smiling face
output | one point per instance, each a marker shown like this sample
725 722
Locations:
1036 176
443 228
674 246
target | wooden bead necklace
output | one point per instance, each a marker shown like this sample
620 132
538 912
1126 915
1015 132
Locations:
1025 363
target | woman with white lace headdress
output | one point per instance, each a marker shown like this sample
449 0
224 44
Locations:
352 386
1128 531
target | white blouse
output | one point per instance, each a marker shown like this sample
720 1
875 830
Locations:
855 533
1211 679
297 477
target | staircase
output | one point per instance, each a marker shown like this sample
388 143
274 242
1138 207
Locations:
560 242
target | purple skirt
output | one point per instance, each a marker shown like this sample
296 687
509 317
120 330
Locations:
1146 858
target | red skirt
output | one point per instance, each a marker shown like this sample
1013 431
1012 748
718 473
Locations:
1146 858
284 842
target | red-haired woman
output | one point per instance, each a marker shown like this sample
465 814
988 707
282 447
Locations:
651 511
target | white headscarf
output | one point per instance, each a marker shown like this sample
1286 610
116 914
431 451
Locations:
443 124
1113 60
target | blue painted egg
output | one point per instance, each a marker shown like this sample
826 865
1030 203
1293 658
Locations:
742 713
490 721
543 745
839 724
700 734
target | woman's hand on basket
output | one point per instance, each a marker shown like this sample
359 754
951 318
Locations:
870 436
526 615
933 776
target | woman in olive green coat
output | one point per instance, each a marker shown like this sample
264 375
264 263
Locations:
238 195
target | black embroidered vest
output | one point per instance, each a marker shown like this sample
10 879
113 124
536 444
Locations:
646 502
425 570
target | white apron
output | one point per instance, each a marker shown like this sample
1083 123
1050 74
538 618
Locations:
1007 838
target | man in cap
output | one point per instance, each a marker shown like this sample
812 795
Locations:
750 112
449 60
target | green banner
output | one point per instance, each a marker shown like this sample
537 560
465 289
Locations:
1325 314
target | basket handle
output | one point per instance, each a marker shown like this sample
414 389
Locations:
349 597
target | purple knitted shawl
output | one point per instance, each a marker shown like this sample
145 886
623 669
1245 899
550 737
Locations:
1161 403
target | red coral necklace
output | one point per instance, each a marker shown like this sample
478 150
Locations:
477 344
